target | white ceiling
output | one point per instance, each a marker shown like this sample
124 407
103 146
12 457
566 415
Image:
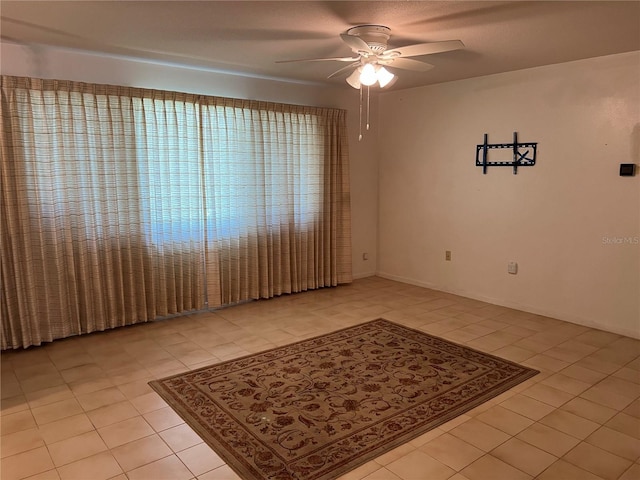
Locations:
248 37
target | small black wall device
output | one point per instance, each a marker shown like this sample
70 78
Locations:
627 169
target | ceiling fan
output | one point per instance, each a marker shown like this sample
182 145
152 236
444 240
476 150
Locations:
372 55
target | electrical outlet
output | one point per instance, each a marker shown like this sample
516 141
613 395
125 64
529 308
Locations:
447 255
512 268
365 256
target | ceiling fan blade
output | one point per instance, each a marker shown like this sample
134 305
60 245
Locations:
344 69
356 43
408 64
425 48
335 59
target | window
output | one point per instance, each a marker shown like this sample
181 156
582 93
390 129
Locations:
264 168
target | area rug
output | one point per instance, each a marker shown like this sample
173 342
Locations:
315 409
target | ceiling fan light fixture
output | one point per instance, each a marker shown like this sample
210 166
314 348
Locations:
384 76
368 75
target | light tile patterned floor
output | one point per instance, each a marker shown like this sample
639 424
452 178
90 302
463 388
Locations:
81 408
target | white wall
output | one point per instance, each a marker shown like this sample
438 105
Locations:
73 65
555 218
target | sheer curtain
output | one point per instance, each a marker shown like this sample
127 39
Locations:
88 242
278 198
120 205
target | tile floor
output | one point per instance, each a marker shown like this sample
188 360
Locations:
80 408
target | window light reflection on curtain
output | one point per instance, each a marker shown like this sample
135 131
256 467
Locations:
265 208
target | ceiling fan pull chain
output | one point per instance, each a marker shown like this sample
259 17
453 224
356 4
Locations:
368 106
360 119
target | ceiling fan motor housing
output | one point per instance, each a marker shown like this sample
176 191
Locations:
376 36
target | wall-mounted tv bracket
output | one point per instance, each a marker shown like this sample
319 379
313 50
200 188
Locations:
520 157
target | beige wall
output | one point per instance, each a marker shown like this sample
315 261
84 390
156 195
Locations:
70 65
559 219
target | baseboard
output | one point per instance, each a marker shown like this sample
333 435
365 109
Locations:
585 322
364 275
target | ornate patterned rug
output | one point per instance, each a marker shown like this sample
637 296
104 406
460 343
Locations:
315 409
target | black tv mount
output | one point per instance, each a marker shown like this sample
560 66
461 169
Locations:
520 158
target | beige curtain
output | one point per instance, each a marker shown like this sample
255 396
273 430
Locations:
121 205
278 198
88 241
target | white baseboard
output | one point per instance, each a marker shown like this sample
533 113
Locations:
585 322
364 275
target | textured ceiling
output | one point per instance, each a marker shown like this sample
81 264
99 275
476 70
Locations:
249 37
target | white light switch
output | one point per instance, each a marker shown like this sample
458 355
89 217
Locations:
512 268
